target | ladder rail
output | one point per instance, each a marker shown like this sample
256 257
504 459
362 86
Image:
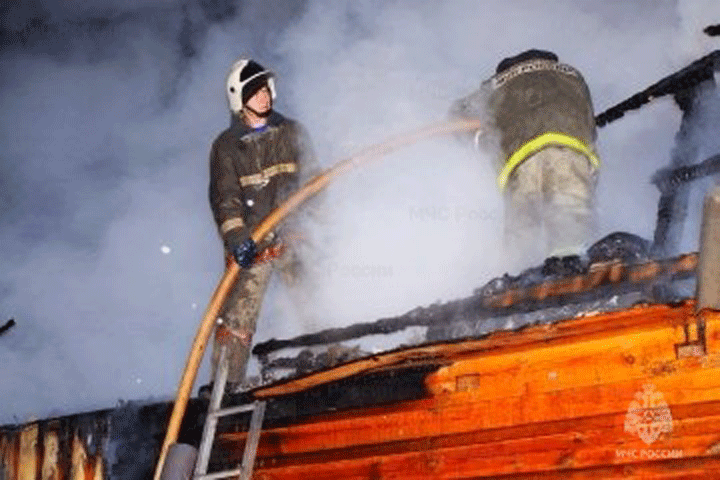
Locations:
211 420
215 412
251 443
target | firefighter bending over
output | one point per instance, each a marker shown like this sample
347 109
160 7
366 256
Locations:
540 125
254 165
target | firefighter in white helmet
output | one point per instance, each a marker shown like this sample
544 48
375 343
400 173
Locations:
254 165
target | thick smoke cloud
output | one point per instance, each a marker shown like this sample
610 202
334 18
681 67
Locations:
108 251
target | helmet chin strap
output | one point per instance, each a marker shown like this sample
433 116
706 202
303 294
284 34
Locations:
264 114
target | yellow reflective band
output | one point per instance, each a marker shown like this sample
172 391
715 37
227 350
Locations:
231 223
264 176
537 144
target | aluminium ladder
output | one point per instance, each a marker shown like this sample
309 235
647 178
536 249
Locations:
244 471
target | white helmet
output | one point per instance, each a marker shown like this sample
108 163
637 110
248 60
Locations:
245 78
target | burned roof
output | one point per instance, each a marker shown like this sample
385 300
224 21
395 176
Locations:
616 273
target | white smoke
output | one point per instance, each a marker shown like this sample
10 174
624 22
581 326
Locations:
104 164
425 224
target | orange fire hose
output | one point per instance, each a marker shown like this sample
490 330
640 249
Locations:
268 224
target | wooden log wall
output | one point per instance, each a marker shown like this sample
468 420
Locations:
115 444
28 454
628 394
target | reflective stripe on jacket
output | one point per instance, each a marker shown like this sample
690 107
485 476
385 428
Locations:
528 107
537 144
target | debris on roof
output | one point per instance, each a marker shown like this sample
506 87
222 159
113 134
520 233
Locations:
616 272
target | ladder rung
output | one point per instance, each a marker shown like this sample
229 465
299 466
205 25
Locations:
232 410
223 474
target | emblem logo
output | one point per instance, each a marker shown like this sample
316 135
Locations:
648 415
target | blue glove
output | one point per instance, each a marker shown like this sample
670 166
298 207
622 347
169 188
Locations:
245 253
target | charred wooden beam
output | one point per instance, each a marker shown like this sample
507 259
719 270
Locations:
601 280
712 30
673 203
689 77
669 179
8 325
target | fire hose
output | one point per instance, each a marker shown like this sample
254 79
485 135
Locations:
268 224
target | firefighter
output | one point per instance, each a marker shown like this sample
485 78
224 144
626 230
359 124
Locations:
539 122
254 165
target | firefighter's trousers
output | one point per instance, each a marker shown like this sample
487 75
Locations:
241 310
549 208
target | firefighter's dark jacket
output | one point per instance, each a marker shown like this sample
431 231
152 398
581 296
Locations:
253 171
529 100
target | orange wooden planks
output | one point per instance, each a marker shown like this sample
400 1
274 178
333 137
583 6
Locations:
547 402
